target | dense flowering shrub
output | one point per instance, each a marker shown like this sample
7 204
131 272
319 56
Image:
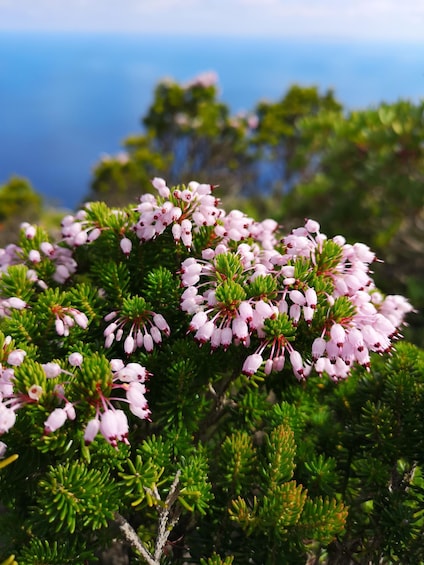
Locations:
129 343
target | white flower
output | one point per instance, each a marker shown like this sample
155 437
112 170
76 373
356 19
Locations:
75 359
55 420
252 364
35 392
7 418
16 357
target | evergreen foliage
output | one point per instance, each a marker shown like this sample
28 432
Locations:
206 390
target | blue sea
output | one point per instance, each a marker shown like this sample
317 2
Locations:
67 99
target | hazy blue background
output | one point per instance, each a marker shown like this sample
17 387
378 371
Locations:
76 76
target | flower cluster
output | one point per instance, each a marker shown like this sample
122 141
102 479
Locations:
260 299
184 209
60 256
145 327
303 299
124 384
8 402
112 422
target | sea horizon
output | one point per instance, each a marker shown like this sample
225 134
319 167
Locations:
66 99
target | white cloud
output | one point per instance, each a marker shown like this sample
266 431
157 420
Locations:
360 19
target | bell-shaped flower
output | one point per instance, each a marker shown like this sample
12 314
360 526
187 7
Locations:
55 420
7 418
91 430
252 364
126 245
75 359
16 357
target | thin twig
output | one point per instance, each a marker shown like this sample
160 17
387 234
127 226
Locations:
165 522
165 525
131 536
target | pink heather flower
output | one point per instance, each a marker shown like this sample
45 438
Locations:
363 253
51 370
155 334
240 329
295 312
55 420
161 324
297 297
226 337
126 245
6 383
17 303
308 314
198 320
7 418
135 394
161 187
246 311
34 256
75 359
297 363
116 365
205 331
93 235
47 248
60 327
252 364
130 372
66 319
278 363
62 274
323 365
80 238
148 342
348 353
91 430
111 328
70 411
16 357
312 226
80 318
216 338
363 357
114 426
311 297
129 345
356 338
333 350
268 367
338 334
35 392
318 348
29 230
263 309
142 413
176 232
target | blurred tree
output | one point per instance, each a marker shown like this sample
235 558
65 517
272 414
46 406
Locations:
366 181
279 137
18 202
188 134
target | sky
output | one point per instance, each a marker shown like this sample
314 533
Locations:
351 20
